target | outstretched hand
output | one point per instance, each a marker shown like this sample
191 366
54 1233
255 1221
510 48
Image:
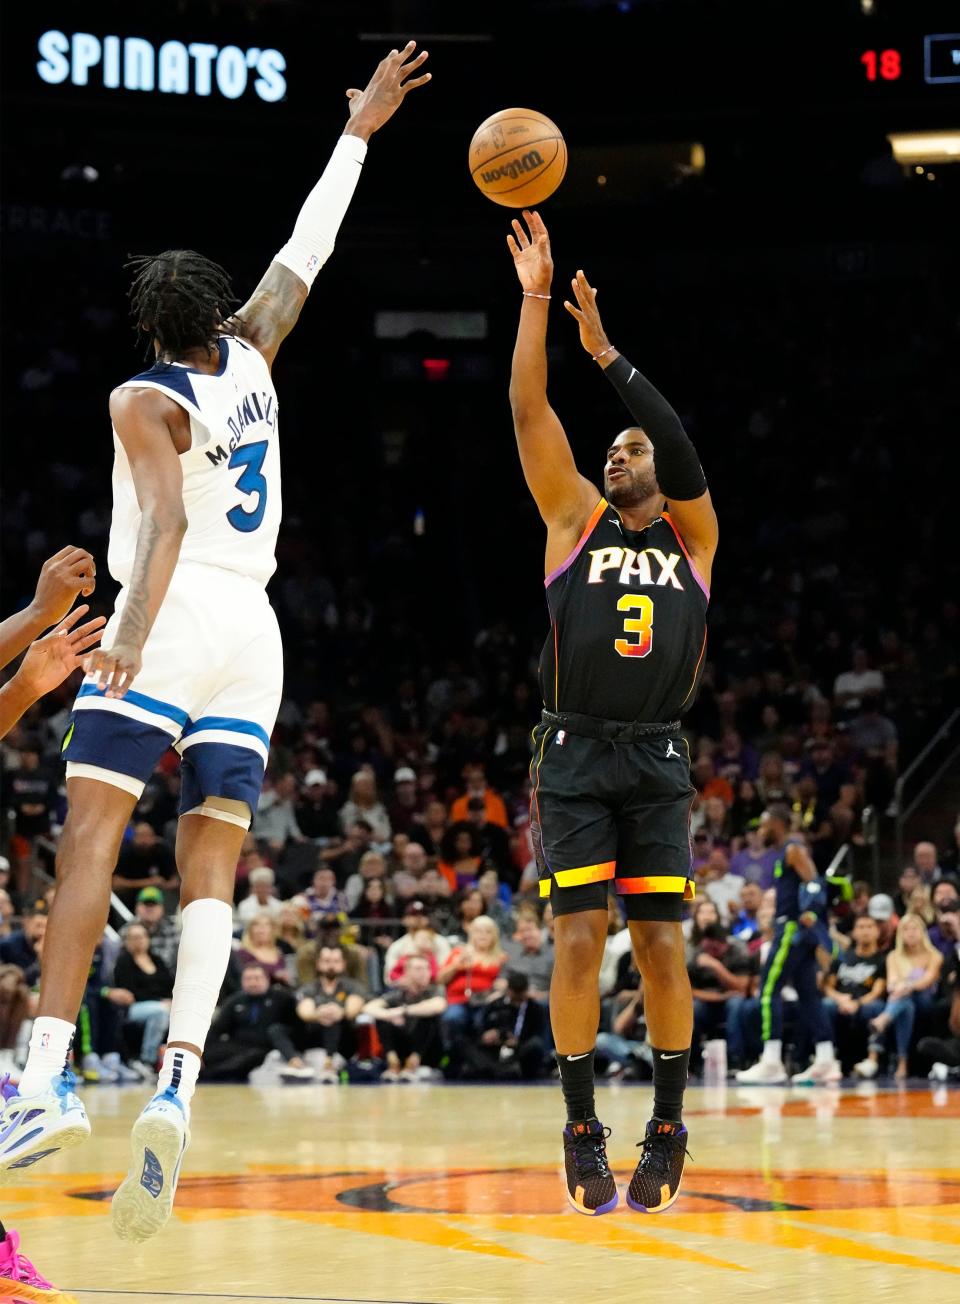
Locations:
592 335
385 91
531 253
50 659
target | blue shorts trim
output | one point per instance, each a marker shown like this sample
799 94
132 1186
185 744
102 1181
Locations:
115 742
220 770
153 704
227 724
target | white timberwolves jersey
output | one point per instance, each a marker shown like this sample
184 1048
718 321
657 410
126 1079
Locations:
231 472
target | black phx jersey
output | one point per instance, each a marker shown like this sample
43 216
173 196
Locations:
628 624
611 776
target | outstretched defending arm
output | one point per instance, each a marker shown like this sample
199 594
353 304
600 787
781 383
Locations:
564 497
678 469
272 311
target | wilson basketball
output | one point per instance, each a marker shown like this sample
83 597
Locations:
518 157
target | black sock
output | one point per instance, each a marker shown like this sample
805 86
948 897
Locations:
670 1069
576 1078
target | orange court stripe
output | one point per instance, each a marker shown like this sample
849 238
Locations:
586 874
657 883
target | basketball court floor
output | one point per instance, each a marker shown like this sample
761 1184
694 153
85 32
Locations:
433 1193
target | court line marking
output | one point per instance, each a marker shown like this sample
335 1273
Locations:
300 1299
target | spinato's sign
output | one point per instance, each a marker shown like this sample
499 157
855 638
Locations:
174 68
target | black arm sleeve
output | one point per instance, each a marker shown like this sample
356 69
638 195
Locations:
679 473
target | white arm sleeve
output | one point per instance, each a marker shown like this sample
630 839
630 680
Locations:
316 230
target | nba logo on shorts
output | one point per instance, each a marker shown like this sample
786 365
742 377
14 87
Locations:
562 737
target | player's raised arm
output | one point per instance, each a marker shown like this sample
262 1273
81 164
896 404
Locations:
140 418
565 497
679 473
272 311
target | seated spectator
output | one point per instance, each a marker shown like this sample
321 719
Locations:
874 737
468 974
144 861
263 899
372 866
365 804
316 812
291 930
496 899
461 861
945 933
475 781
908 880
754 862
259 945
709 784
30 794
23 947
736 760
617 945
373 910
719 970
528 953
513 1036
926 859
163 930
747 807
408 1023
406 800
853 990
252 1023
15 1006
415 922
712 817
413 864
944 1051
880 908
913 971
850 687
621 1040
745 925
429 830
143 986
334 930
322 897
6 913
722 887
438 899
275 821
328 1008
426 944
920 902
492 841
470 908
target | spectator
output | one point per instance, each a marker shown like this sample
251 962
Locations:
528 953
162 929
850 687
492 841
512 1041
745 925
925 860
144 861
712 818
372 866
622 1043
945 1051
468 974
951 860
345 854
413 864
415 922
14 1011
323 896
880 908
436 896
722 887
853 990
873 735
374 909
496 899
31 796
720 968
408 1023
6 914
746 811
470 907
316 812
945 933
291 930
461 861
754 862
430 830
259 945
406 800
23 947
365 804
475 781
251 1024
920 903
908 880
708 783
913 970
143 986
263 899
328 1008
275 822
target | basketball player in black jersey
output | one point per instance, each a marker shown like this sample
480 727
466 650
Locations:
627 588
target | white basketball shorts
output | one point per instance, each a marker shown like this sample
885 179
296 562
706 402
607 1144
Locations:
210 687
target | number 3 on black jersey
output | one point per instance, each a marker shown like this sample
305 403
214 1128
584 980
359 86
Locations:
251 481
642 625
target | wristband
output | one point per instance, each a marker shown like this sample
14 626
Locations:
529 294
597 356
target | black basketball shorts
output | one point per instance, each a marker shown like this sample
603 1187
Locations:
614 813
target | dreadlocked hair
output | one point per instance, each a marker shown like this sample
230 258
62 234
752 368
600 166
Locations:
179 298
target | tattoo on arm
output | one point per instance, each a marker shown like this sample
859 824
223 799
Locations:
136 622
271 312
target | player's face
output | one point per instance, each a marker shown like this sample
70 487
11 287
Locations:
770 830
629 478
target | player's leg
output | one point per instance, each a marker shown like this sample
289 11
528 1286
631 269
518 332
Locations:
825 1068
574 840
769 1069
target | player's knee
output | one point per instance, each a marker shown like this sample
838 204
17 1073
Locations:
577 950
88 843
659 950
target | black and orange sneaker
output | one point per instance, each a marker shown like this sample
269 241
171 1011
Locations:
656 1180
590 1185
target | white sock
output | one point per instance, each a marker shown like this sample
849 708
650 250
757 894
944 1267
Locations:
772 1052
824 1053
179 1073
202 960
50 1044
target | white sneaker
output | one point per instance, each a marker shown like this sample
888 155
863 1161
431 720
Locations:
818 1074
939 1072
144 1201
123 1072
34 1127
867 1068
297 1073
767 1072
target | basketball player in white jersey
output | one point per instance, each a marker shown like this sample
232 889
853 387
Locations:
191 656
